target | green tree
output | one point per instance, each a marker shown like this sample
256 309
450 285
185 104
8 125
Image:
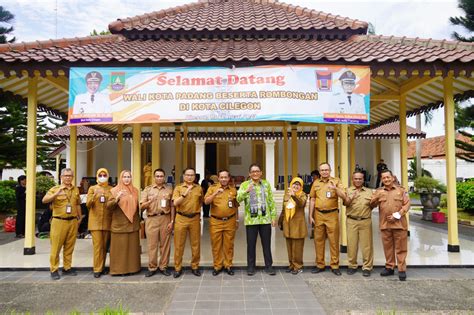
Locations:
6 18
464 122
466 21
13 129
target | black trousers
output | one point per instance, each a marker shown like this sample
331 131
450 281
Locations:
265 231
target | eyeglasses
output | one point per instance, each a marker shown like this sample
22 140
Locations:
189 174
102 176
255 172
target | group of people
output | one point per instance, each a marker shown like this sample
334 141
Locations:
114 215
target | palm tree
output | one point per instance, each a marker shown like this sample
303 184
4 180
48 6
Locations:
5 18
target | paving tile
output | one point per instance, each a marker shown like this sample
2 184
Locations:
180 305
257 304
258 312
206 312
232 305
184 297
234 289
231 296
283 303
207 305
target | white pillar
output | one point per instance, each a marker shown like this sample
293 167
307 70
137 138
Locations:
270 161
331 159
200 157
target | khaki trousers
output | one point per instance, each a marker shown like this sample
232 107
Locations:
295 248
62 236
326 227
359 234
182 227
100 238
222 235
157 236
395 242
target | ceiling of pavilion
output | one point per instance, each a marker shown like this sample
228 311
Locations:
247 33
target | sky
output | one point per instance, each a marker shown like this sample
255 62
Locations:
49 19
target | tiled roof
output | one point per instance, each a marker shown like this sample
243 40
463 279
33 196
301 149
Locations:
83 133
212 15
434 148
391 130
125 50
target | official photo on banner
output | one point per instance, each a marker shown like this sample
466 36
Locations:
306 93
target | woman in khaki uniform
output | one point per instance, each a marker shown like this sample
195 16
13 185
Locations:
125 226
292 222
99 219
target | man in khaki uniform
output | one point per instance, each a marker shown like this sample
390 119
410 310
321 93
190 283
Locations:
324 215
66 207
223 223
359 225
393 203
156 199
187 198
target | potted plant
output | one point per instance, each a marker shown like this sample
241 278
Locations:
430 190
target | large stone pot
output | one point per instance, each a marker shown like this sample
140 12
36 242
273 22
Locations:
430 203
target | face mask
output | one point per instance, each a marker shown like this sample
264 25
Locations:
102 180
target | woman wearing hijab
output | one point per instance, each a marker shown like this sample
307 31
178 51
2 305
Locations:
124 237
292 222
99 219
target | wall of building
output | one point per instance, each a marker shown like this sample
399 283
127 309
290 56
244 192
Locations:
438 169
105 155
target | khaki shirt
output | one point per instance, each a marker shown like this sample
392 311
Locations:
391 200
99 215
296 227
161 199
220 204
70 197
192 202
326 198
360 206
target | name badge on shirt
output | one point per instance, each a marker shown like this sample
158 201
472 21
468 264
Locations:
328 194
230 204
163 203
68 209
102 199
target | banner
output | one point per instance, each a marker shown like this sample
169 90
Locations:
318 94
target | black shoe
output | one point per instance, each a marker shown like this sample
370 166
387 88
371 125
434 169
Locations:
150 273
351 271
216 272
229 271
317 270
288 270
270 271
105 271
55 275
177 274
296 271
337 272
97 274
251 272
366 273
387 272
165 272
69 272
402 275
196 272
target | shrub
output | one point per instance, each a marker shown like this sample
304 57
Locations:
444 201
43 184
428 184
8 183
465 196
7 199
